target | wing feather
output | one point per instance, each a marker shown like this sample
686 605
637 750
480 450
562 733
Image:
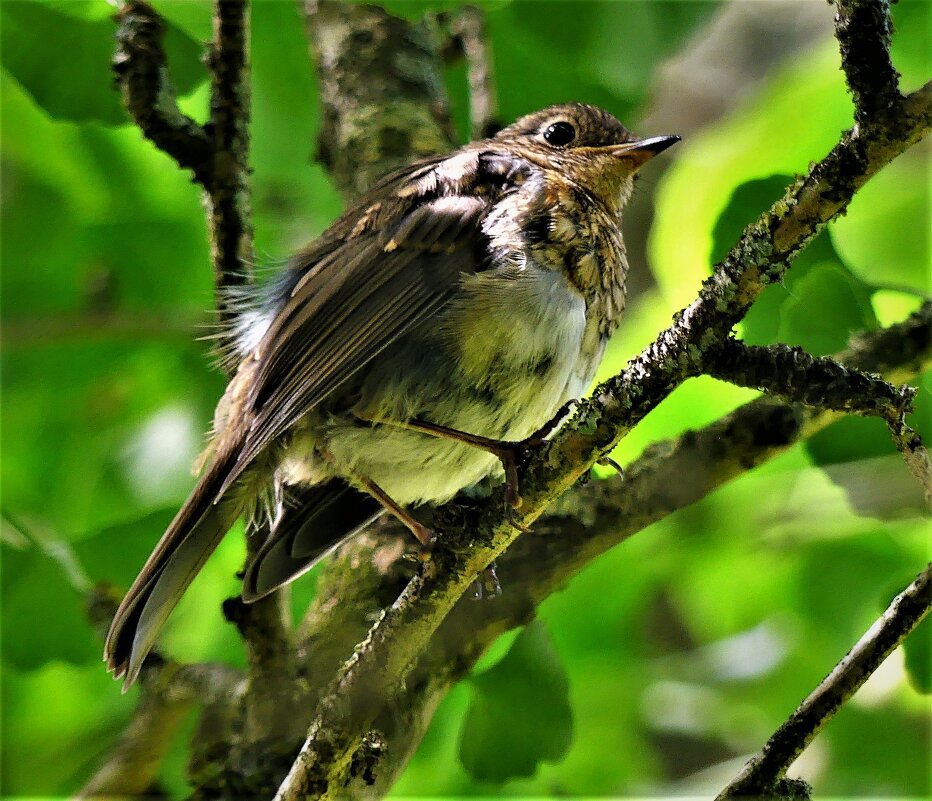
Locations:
358 299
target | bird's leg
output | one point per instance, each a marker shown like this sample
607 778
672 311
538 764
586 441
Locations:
423 534
510 454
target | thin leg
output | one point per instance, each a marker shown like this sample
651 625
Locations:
423 534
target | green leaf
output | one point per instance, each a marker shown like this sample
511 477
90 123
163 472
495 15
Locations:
793 120
911 48
885 235
520 713
66 69
568 50
825 304
42 613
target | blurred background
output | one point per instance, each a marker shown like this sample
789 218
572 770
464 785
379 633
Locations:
669 658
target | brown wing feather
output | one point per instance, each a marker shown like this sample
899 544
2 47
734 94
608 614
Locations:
359 299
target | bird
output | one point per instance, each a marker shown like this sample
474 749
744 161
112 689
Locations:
448 314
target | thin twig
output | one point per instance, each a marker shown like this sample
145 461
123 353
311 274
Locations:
764 770
795 375
468 25
227 200
142 74
864 29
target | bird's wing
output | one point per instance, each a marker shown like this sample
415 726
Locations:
385 268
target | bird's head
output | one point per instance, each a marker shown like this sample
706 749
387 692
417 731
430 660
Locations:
586 145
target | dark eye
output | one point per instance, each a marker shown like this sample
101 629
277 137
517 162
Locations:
559 134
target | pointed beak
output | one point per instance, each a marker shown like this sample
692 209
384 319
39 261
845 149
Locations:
639 153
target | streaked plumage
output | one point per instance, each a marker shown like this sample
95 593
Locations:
474 291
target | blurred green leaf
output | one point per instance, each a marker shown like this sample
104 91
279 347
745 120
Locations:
911 48
520 712
67 68
42 613
824 307
918 656
793 120
885 236
568 51
820 303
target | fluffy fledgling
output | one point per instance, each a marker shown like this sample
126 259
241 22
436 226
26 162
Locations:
460 303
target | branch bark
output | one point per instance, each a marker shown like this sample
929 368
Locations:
168 691
583 524
760 777
384 102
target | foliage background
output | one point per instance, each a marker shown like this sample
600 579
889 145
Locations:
669 658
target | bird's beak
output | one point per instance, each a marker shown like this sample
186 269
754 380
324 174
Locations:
640 152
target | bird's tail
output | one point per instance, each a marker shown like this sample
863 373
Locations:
312 521
184 548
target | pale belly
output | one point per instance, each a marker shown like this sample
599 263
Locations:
504 360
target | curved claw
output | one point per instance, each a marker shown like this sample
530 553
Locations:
607 461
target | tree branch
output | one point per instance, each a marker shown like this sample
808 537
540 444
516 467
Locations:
383 98
915 454
141 70
218 152
168 691
864 30
584 523
796 376
761 774
227 202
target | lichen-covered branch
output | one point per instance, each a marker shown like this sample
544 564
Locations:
864 30
796 376
384 103
762 773
583 524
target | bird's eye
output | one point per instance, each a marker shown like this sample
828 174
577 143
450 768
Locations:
559 134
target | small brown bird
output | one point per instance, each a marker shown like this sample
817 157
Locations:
454 309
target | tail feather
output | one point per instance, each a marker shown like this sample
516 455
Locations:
187 543
313 522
